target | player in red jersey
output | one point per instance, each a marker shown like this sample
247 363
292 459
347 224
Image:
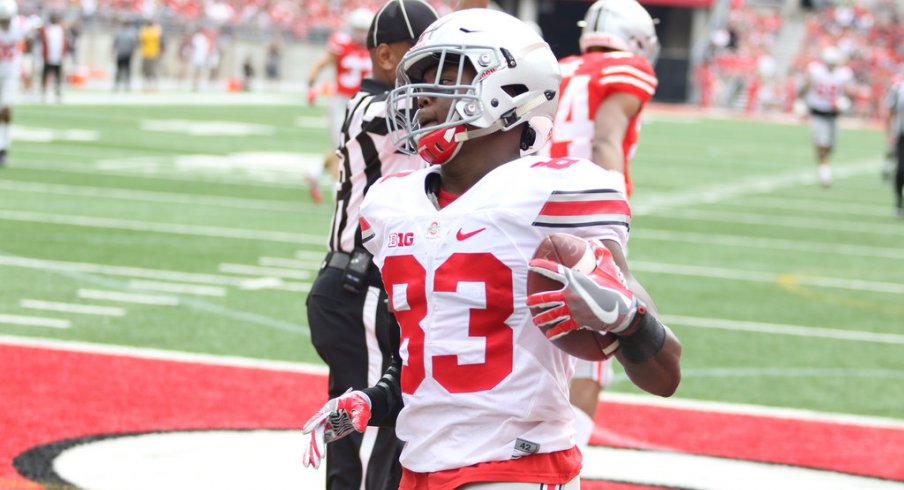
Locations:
603 92
348 53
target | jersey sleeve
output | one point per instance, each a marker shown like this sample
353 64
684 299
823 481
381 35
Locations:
630 74
586 201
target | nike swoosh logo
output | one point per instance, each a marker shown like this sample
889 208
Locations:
464 236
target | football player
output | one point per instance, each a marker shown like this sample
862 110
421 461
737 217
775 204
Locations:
12 37
826 91
478 393
603 93
348 53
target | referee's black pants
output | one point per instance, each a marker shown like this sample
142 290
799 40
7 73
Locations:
351 333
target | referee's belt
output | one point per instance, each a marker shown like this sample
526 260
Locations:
337 260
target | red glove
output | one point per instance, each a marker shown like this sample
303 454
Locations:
312 94
599 300
335 420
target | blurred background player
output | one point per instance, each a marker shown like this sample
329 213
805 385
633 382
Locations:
485 392
11 39
826 89
347 53
603 93
894 127
54 44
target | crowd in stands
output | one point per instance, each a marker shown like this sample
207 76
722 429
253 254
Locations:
739 59
871 37
739 70
302 19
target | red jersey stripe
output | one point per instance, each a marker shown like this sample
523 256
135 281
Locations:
586 208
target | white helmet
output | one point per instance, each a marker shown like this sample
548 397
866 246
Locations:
517 80
8 9
620 24
359 19
358 23
832 56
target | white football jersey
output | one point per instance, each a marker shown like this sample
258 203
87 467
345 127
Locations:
480 382
11 41
826 86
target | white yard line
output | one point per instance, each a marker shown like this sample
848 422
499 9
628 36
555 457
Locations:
310 255
777 328
890 228
144 299
755 185
36 304
169 287
138 272
261 283
289 263
766 243
154 174
766 277
320 370
310 122
253 270
169 228
34 321
158 197
822 206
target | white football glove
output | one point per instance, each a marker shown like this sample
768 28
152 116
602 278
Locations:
597 301
338 418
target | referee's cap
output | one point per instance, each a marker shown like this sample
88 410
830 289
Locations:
400 20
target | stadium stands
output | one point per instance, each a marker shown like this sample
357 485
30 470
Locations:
741 71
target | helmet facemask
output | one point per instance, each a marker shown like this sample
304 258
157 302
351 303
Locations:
436 142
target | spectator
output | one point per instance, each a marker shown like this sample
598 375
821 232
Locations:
124 43
151 40
200 57
53 49
247 74
272 64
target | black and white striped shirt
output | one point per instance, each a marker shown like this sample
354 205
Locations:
366 154
894 100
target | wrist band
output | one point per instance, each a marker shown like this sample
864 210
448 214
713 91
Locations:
646 339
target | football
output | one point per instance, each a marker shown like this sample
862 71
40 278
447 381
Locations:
570 251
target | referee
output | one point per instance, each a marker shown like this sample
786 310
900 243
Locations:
351 326
895 133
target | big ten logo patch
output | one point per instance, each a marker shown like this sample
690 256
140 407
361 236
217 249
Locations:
402 239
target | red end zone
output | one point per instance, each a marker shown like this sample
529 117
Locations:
50 395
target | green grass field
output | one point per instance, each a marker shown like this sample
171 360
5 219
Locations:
783 293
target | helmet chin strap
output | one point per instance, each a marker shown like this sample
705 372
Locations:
442 145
